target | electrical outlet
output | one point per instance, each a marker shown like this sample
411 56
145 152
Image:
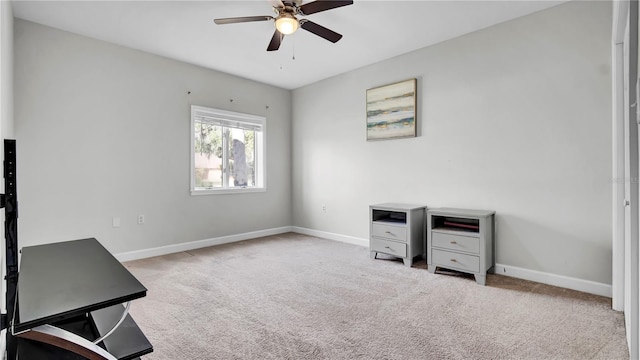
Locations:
324 208
115 222
140 219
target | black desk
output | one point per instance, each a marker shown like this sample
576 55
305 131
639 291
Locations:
64 283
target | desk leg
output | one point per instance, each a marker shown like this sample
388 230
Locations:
66 340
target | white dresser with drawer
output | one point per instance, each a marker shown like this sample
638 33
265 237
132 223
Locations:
397 230
461 239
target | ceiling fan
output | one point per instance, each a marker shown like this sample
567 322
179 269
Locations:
287 23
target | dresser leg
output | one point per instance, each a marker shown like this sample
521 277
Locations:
407 262
373 254
481 279
431 269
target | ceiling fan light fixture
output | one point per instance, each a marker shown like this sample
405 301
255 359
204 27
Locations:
287 24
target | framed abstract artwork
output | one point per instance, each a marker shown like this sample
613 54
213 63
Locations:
391 111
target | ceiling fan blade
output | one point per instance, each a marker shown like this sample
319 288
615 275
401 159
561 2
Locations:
276 40
320 30
322 5
242 19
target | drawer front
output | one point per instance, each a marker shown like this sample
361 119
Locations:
389 247
456 242
456 261
389 231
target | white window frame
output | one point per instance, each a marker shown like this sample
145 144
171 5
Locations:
229 117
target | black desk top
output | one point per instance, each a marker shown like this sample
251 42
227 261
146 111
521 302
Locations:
62 280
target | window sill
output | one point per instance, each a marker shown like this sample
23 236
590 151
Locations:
227 191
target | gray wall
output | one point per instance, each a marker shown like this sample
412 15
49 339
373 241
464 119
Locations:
104 131
514 118
6 63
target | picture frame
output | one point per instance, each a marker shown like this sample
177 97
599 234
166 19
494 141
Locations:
391 111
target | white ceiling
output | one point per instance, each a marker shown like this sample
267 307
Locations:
184 30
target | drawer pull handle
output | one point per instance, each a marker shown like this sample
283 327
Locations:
453 260
386 247
453 242
390 233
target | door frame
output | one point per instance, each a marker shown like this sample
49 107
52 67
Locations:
626 195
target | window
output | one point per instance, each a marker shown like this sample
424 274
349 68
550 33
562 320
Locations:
227 151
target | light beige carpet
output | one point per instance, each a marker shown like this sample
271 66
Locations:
298 297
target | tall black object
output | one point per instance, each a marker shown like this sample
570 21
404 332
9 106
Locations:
98 281
9 200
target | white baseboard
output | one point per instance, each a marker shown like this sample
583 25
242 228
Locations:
587 286
331 236
192 245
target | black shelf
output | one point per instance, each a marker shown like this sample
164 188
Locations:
66 279
77 286
127 342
